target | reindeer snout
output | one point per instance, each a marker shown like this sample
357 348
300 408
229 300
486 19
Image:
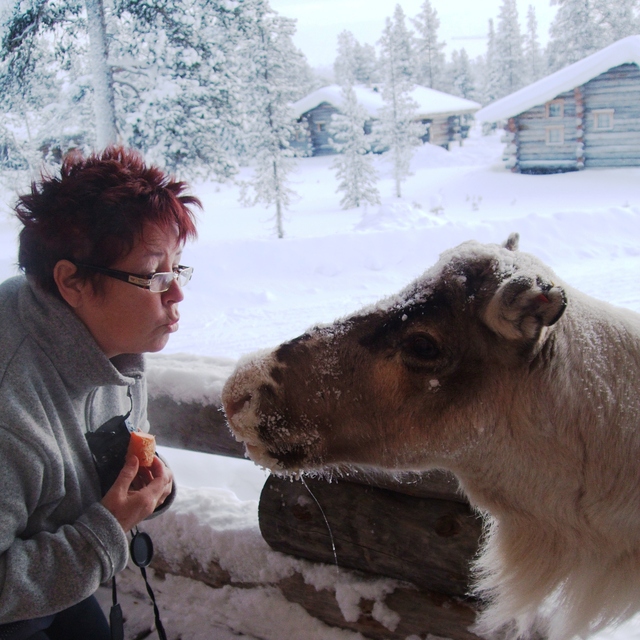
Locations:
233 406
237 397
241 396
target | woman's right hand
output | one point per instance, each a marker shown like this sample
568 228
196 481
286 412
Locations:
130 505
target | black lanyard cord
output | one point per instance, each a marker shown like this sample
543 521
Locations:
116 622
141 552
159 628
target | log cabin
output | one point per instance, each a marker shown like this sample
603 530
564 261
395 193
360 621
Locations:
445 116
585 115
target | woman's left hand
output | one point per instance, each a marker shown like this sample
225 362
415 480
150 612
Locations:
138 492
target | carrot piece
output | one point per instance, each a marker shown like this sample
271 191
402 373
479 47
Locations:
143 446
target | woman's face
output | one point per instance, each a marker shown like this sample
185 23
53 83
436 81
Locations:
126 318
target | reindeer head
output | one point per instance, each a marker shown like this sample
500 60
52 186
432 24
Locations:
406 383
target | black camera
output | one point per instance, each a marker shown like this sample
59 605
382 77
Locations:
108 445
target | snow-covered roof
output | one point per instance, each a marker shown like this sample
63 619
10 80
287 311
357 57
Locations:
624 51
430 102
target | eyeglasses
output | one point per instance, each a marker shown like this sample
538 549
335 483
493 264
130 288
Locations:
156 282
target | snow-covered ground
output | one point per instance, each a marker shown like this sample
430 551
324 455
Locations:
251 290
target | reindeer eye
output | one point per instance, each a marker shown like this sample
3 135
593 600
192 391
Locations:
421 346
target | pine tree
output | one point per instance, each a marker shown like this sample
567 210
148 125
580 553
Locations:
38 31
177 76
354 169
45 91
12 157
345 62
398 130
356 60
575 33
399 52
534 63
509 56
273 65
429 51
461 75
491 89
103 94
620 18
366 69
175 72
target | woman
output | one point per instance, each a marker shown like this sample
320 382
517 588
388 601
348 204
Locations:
101 252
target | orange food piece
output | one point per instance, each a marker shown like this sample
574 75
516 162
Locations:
143 446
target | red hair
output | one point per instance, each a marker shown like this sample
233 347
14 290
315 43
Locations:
95 212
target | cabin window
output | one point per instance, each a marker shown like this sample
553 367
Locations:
603 119
554 135
321 126
555 108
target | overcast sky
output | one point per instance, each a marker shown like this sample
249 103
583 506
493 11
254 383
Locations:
463 23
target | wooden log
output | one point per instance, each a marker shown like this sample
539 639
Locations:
425 484
193 426
426 541
420 612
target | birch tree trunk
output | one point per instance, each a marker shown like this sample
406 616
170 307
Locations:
103 98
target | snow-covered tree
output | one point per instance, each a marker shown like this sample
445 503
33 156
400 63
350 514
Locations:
31 69
430 59
358 61
345 62
39 32
460 75
534 61
366 70
490 80
398 131
273 68
11 155
508 50
575 33
177 72
353 164
397 48
620 18
103 95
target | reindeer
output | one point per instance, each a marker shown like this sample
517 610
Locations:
492 368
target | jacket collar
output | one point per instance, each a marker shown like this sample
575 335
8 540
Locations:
70 346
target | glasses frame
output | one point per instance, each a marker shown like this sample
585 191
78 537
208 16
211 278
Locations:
137 279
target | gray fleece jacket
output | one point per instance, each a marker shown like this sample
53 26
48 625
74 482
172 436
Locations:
57 542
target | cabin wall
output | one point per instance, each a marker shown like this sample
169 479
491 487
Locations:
586 140
617 90
301 142
439 130
318 121
534 154
444 130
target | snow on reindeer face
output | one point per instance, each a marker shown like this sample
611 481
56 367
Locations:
401 384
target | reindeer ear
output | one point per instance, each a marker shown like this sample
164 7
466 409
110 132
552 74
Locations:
512 241
522 306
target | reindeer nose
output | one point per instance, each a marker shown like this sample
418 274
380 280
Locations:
232 407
